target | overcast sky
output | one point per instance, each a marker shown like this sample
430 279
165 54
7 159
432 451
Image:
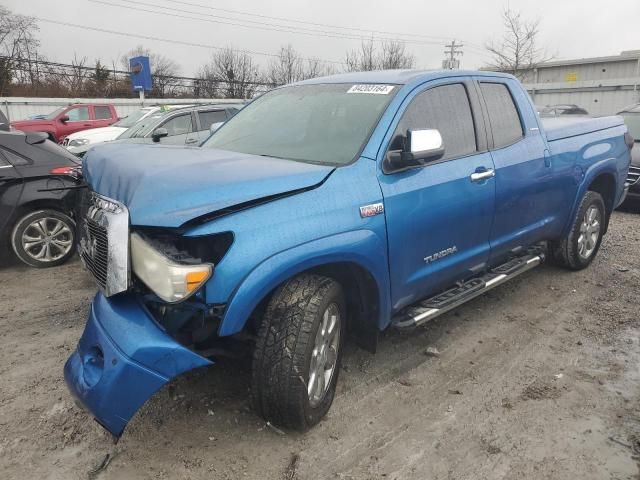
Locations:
568 28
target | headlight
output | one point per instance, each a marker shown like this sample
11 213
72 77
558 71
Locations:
171 281
78 142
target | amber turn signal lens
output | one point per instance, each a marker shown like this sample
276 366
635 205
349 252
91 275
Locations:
195 279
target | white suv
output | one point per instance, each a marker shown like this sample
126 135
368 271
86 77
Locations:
78 143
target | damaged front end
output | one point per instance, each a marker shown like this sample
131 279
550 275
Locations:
149 323
123 357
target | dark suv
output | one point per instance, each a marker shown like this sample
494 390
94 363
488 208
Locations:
631 117
39 186
182 126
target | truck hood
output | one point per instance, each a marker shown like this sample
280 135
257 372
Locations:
166 186
31 124
101 134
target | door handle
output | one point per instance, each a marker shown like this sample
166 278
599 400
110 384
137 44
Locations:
480 176
191 140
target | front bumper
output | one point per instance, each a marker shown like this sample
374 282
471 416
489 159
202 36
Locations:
122 358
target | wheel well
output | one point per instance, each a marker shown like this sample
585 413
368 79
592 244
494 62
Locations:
41 204
605 185
361 295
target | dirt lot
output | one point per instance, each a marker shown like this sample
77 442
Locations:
538 379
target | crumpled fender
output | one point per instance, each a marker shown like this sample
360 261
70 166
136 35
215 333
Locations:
362 247
122 359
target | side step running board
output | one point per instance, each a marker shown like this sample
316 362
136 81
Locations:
435 306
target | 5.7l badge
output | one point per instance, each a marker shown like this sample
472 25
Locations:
371 210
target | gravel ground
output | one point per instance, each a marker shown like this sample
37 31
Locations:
537 379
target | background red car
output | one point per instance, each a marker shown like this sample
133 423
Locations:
70 119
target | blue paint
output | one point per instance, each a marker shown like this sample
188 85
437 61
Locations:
138 358
534 196
140 74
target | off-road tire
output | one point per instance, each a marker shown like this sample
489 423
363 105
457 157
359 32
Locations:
25 221
564 252
283 350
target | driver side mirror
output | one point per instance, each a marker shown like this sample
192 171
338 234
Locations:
64 118
421 147
159 133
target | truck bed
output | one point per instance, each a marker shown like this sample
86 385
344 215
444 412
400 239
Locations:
558 128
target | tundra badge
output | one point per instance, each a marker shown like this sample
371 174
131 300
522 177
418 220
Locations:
371 210
441 254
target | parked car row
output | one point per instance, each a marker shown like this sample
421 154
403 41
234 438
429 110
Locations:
40 181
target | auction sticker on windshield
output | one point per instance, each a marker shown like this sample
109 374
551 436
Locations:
375 89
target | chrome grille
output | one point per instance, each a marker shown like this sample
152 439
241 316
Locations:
104 241
634 175
95 254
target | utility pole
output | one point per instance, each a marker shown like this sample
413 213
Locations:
453 49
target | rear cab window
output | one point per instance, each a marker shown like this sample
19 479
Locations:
506 124
102 112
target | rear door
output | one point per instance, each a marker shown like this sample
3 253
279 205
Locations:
438 218
11 186
102 116
529 189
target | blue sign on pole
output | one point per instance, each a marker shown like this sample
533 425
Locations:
140 74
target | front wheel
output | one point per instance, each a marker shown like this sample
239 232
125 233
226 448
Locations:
578 249
44 238
297 356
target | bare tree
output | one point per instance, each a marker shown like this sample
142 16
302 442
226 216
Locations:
392 56
207 83
517 51
288 67
18 48
235 71
76 79
363 60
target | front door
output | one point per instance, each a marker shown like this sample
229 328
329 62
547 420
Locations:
79 119
178 128
439 216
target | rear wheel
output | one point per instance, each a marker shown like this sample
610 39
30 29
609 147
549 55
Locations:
44 238
578 249
298 351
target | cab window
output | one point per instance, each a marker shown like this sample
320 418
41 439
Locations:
179 125
503 114
78 114
447 109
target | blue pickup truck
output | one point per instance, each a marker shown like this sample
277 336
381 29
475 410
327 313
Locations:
329 209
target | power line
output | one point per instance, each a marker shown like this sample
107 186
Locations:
173 12
172 41
84 68
291 20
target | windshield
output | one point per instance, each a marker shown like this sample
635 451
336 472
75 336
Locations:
55 113
143 127
321 123
131 119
